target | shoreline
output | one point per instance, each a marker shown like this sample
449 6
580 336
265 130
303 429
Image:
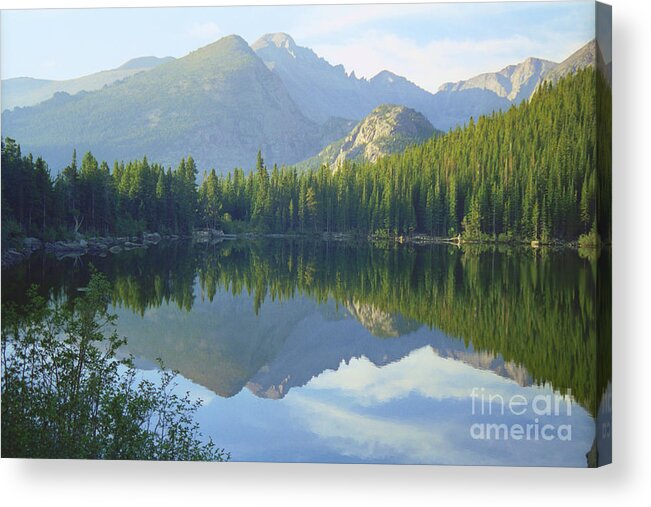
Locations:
104 245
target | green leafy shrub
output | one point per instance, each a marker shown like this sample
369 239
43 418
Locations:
231 226
65 395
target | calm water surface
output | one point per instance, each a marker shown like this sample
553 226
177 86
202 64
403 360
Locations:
335 352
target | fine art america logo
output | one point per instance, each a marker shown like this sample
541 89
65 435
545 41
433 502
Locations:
519 418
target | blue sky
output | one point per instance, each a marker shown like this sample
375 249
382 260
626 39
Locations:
429 44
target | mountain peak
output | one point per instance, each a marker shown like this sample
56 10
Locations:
387 129
234 41
231 49
514 82
228 43
585 56
386 76
280 40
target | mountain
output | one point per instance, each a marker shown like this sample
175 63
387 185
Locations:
389 88
27 91
387 129
219 103
455 103
323 90
515 82
223 102
584 57
494 91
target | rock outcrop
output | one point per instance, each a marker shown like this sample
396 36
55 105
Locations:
387 129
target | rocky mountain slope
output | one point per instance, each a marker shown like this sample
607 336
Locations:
584 57
323 90
387 129
515 82
27 91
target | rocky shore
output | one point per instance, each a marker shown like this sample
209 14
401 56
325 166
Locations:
84 246
104 245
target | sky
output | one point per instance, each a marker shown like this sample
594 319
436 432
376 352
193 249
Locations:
430 44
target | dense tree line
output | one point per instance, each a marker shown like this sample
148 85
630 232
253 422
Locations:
90 198
535 172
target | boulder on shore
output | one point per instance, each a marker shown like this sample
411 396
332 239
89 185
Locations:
67 247
130 245
11 257
153 238
32 244
207 235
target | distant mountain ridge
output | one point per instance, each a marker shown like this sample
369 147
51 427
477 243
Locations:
519 82
27 91
514 82
323 90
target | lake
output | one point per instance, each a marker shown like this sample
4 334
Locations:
314 351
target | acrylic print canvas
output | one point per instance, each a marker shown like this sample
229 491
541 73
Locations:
340 234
